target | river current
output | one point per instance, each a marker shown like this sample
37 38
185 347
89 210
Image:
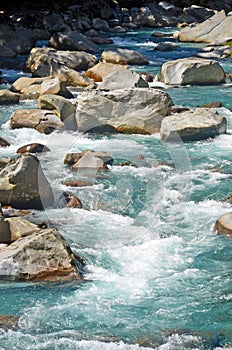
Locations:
157 275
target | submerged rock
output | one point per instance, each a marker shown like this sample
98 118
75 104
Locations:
9 322
194 71
44 121
193 125
41 256
143 108
223 224
23 184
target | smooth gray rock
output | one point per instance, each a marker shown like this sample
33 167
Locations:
193 71
23 184
193 125
216 29
140 107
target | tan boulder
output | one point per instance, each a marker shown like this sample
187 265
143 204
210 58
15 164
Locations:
102 70
20 227
40 86
44 121
223 224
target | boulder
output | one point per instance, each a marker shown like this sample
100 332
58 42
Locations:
44 62
100 24
73 41
193 125
44 121
33 148
216 29
40 86
71 77
194 71
223 224
199 13
8 97
102 70
140 107
41 256
3 142
17 227
62 107
19 40
23 184
123 56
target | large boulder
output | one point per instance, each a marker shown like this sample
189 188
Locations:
195 71
73 41
140 107
216 29
8 97
193 125
47 61
223 224
23 184
64 109
123 56
41 256
44 121
34 87
198 12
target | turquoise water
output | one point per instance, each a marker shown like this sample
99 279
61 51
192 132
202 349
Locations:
156 273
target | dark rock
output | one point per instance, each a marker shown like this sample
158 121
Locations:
72 158
33 148
72 41
8 97
4 143
70 201
23 184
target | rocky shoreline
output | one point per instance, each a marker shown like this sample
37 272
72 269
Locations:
111 98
